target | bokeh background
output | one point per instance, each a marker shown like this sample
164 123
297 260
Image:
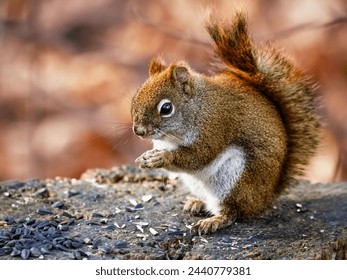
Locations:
68 70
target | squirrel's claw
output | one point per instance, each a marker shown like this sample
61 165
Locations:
206 226
194 206
212 224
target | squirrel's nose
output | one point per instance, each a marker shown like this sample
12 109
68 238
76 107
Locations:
139 130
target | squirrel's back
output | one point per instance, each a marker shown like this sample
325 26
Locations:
285 86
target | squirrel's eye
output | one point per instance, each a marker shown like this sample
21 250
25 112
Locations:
166 108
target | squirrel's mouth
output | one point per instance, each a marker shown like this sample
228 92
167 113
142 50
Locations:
156 135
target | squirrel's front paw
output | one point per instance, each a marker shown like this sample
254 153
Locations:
152 159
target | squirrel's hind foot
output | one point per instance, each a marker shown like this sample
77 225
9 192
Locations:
194 206
212 224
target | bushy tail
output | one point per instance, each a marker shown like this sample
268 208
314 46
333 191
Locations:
286 86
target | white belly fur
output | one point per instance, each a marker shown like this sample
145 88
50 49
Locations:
214 182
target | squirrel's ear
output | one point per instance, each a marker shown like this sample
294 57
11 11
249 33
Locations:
157 65
181 74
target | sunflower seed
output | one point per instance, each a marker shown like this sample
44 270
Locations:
105 249
93 223
96 243
121 244
43 224
25 253
15 252
143 224
226 239
87 241
35 252
27 242
2 252
117 210
139 206
67 214
11 243
82 253
110 226
12 230
76 245
61 247
58 204
44 250
39 236
58 240
139 228
142 235
133 202
7 250
189 226
41 192
51 228
47 247
77 239
70 221
21 220
30 222
26 232
203 239
153 231
130 209
3 237
10 220
71 193
43 211
63 228
77 255
116 224
67 243
174 231
97 215
5 233
147 198
18 230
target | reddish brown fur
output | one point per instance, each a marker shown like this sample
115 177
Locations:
260 103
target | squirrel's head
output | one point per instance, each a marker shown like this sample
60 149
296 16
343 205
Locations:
159 108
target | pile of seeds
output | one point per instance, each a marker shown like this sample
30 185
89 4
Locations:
35 238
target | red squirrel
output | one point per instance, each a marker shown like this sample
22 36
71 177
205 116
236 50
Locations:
236 140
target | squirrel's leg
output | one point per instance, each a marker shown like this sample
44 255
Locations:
251 195
194 206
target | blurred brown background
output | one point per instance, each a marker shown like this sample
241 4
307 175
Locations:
68 70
